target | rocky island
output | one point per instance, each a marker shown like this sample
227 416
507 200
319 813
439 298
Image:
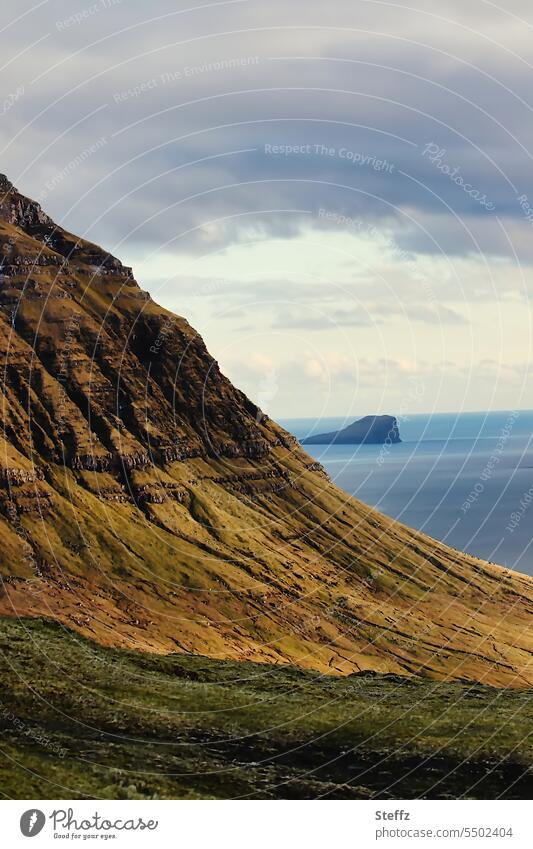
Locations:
371 430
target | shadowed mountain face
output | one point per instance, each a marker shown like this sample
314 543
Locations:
149 504
371 430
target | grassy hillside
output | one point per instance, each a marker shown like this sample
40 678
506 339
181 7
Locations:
81 720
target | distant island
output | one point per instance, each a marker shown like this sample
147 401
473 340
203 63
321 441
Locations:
372 430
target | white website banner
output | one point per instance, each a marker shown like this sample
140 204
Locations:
263 824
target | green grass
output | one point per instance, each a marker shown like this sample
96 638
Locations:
79 720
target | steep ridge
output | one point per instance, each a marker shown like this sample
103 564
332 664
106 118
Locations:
147 503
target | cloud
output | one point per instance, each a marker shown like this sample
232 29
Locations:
337 384
380 153
187 101
370 316
433 314
335 319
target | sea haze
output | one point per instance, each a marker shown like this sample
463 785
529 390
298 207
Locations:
445 462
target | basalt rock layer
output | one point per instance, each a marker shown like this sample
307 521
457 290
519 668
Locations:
149 504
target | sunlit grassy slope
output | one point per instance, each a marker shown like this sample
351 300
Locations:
80 720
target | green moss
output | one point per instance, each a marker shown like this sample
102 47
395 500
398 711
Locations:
80 720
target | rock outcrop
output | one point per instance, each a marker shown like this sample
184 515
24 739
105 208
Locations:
370 430
145 501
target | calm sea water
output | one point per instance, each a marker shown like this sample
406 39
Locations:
464 478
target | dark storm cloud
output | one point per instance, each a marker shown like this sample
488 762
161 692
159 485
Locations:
237 120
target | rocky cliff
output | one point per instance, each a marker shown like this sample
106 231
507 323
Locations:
370 430
146 502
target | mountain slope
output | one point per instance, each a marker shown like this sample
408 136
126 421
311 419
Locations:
149 504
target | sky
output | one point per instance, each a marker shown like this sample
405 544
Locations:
338 196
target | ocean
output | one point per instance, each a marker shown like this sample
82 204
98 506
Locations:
463 478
